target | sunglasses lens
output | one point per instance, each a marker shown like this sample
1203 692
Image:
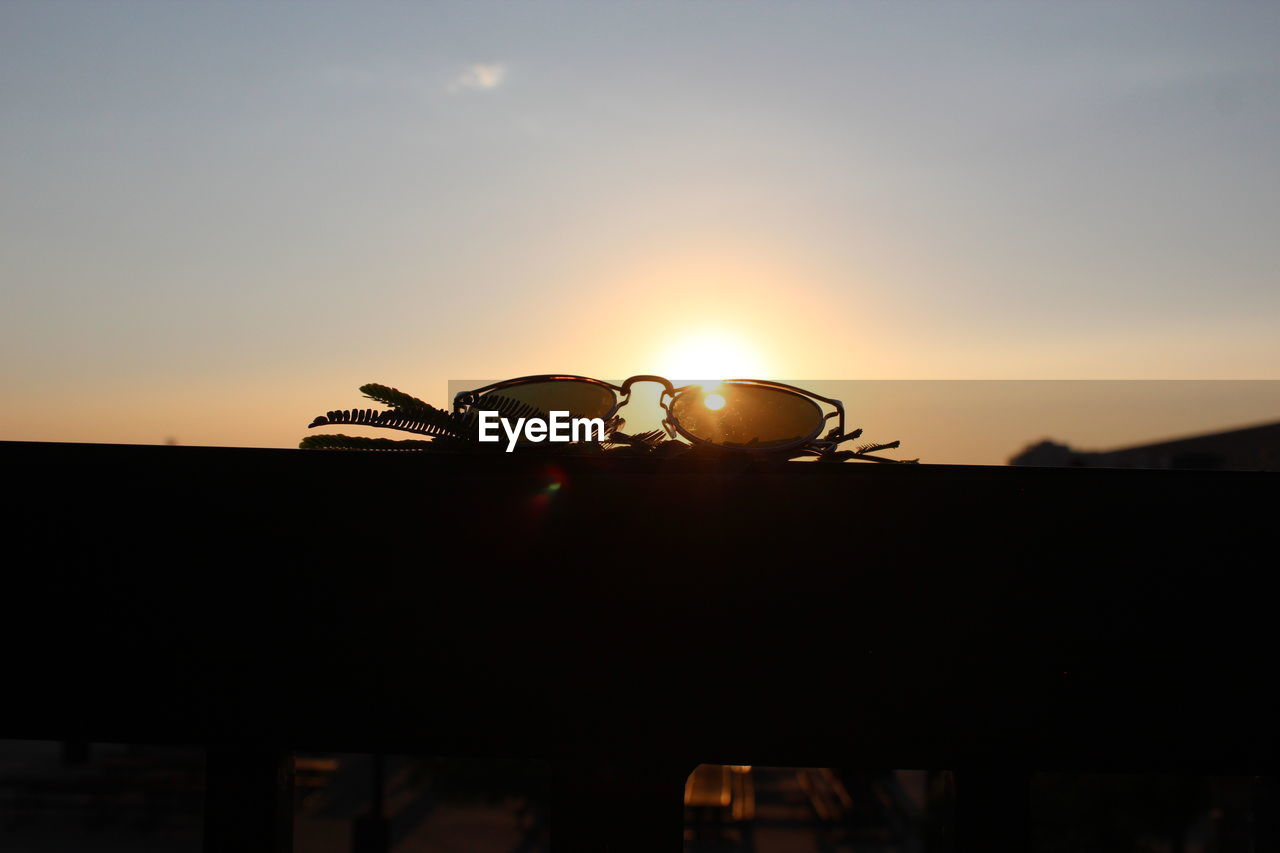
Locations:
580 399
746 415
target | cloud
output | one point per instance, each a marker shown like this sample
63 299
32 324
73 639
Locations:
481 76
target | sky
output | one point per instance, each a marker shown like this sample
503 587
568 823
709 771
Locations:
218 220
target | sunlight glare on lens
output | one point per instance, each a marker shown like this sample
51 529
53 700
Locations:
714 402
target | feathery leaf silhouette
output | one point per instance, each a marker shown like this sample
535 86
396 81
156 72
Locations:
873 448
390 419
650 439
397 399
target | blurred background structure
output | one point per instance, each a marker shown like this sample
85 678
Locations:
1250 449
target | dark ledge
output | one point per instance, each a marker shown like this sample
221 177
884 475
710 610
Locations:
672 611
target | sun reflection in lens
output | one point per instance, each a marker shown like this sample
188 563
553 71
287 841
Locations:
714 402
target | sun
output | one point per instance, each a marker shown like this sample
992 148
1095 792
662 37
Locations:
707 357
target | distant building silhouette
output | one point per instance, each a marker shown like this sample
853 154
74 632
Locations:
1250 449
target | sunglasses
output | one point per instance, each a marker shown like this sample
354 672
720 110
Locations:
748 415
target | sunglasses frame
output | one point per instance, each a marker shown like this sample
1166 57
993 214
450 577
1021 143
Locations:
622 396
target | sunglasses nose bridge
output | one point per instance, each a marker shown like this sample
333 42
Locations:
644 377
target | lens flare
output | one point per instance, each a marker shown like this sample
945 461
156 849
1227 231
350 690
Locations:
714 402
554 480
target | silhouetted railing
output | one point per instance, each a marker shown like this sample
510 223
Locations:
994 621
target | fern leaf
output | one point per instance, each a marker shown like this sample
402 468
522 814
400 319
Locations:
396 399
873 448
392 419
647 440
467 424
